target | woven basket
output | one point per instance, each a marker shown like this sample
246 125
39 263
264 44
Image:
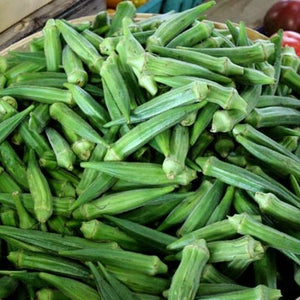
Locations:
22 45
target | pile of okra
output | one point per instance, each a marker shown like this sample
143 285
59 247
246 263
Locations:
150 159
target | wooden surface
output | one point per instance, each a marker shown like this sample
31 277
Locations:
12 12
68 9
250 11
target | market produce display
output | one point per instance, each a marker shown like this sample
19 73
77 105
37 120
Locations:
150 159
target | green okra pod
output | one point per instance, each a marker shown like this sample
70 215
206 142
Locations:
183 209
241 248
100 231
125 9
9 217
119 202
245 224
71 288
26 221
259 292
39 189
45 262
211 232
94 38
81 46
195 34
6 110
201 212
188 94
291 78
270 204
174 164
7 183
242 178
52 46
176 24
10 124
50 242
220 65
47 95
143 234
93 110
149 174
71 120
211 275
146 264
73 67
129 142
156 209
7 286
63 153
39 118
259 51
186 279
218 288
50 294
13 164
237 267
139 282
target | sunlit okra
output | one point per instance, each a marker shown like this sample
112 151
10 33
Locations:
52 46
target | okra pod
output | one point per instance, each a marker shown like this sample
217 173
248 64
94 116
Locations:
176 24
211 275
10 124
129 142
49 263
119 202
200 214
81 46
64 155
241 178
73 67
270 204
99 231
13 164
47 95
7 286
7 183
218 288
146 264
211 232
9 218
71 288
220 65
39 189
52 46
145 235
6 110
93 110
245 224
183 209
26 221
195 34
186 279
71 120
39 118
257 52
50 294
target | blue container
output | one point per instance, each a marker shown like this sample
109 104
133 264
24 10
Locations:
163 6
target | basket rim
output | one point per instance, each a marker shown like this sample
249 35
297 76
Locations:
22 44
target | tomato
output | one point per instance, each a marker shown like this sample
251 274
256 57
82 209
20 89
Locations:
284 14
292 39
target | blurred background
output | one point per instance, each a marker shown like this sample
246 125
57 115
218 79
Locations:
21 18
